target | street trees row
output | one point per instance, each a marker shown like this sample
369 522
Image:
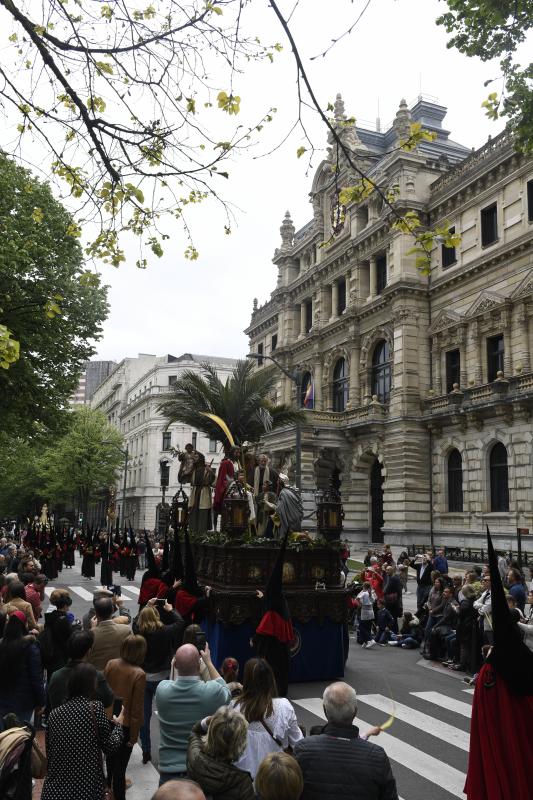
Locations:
72 468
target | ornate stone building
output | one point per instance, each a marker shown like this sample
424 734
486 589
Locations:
420 385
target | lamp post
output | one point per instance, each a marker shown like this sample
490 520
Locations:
296 377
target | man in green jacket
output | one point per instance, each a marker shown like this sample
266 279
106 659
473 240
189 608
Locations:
78 649
182 703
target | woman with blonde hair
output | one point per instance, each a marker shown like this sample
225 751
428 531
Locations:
279 777
127 680
162 641
210 758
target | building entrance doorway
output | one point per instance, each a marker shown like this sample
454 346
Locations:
376 502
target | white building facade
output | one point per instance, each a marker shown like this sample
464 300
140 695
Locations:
130 398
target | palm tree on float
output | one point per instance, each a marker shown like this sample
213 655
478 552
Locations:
242 402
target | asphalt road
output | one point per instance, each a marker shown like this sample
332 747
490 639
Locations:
427 742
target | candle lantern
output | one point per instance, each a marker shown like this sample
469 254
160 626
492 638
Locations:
329 514
235 511
180 510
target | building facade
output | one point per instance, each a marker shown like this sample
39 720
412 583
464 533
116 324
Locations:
94 372
130 398
419 386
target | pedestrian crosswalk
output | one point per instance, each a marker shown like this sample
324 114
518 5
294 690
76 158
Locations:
428 760
129 591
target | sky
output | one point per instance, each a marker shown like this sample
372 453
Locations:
395 51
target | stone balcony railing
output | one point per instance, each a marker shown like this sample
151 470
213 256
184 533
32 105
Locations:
367 413
516 389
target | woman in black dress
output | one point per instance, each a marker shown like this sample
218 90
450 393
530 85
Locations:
77 733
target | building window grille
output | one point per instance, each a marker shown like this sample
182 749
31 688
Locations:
340 386
167 441
453 369
381 371
495 354
489 225
341 296
499 478
448 254
455 481
381 273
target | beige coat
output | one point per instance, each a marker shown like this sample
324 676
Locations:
108 638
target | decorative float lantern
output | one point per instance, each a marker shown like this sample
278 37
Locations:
179 514
329 514
235 511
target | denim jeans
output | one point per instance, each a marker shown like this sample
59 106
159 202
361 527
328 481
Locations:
149 694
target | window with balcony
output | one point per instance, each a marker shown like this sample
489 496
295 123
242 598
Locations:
455 481
499 478
448 254
167 441
453 369
381 273
381 371
495 354
489 225
340 385
341 296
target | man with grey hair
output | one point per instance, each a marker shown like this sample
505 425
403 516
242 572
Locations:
338 762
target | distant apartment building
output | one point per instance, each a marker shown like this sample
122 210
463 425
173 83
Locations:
130 397
93 374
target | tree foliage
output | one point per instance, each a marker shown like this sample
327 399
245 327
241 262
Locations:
83 461
21 483
490 29
50 306
242 402
126 97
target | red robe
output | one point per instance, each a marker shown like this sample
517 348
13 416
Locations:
501 742
152 587
226 472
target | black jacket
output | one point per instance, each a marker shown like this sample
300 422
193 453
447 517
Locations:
59 629
425 578
338 764
162 644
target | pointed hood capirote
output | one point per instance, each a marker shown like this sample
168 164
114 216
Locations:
510 656
177 561
165 562
276 620
153 570
190 581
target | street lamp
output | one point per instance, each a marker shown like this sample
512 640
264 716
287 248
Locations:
296 377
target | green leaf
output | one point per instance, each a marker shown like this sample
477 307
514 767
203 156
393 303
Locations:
300 152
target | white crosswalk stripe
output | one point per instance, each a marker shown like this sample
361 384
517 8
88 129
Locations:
423 722
443 701
83 593
425 765
133 589
469 691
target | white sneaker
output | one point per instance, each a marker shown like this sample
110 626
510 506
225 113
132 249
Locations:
393 644
364 644
371 643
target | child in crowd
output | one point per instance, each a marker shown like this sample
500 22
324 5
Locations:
384 621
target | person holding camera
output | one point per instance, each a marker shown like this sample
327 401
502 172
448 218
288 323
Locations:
181 703
161 642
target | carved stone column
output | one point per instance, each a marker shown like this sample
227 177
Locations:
373 277
522 321
302 318
354 389
475 351
318 384
334 299
437 371
507 339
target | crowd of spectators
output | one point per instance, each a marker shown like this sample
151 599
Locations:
452 622
224 733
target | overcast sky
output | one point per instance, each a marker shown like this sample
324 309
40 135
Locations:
395 51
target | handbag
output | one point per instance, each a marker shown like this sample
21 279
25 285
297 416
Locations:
108 792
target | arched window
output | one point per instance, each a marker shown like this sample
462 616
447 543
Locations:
499 478
340 386
381 371
455 481
307 394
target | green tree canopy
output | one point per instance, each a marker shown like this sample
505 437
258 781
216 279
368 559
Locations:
491 29
242 402
21 481
83 461
49 304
